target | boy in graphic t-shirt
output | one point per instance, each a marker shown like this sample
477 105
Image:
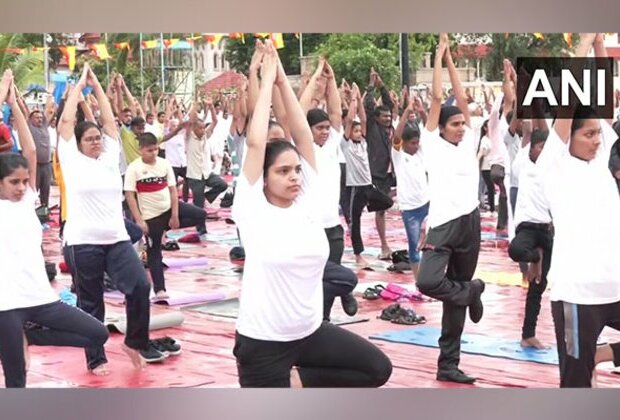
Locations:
157 208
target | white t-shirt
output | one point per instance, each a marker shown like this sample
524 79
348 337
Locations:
198 151
584 203
152 185
531 204
453 176
53 137
328 168
23 280
286 250
412 183
358 167
485 148
94 191
175 150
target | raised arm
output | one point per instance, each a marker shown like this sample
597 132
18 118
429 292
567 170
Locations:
315 90
108 123
562 126
26 140
402 122
508 89
348 121
361 111
437 91
208 106
88 113
279 111
334 103
257 131
66 123
457 87
253 83
300 131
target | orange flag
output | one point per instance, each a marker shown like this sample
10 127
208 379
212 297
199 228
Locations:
170 42
121 45
277 39
101 51
539 35
568 37
150 44
69 54
237 35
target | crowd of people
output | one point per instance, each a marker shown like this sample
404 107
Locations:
300 161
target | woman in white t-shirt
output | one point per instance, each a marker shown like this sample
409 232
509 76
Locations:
276 208
585 266
95 238
450 255
27 295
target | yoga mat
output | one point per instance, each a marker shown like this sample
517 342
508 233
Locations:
214 271
185 262
181 298
229 308
118 323
114 295
472 344
372 266
499 278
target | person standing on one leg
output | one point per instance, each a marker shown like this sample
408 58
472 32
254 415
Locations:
448 150
157 207
533 241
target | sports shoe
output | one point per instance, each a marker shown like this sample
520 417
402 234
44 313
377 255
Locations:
152 354
167 346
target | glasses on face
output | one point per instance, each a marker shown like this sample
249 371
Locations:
91 140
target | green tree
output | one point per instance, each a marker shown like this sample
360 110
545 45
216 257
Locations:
352 55
239 54
27 66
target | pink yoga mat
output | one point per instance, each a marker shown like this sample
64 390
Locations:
185 262
115 294
180 298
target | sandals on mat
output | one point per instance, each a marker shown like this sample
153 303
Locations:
373 293
170 246
399 315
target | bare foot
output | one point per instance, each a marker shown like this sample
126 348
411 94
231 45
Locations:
296 379
534 342
134 355
26 354
361 261
386 254
100 370
162 295
525 281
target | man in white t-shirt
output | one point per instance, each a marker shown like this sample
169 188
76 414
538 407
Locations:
199 164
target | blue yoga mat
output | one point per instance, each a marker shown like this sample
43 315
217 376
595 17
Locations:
473 344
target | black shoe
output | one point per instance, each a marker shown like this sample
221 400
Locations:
349 304
476 309
167 346
456 375
151 354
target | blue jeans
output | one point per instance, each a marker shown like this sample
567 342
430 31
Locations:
413 220
87 264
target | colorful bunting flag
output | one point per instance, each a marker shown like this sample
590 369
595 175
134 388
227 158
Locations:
101 51
147 45
170 42
277 39
121 45
69 54
539 35
568 37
